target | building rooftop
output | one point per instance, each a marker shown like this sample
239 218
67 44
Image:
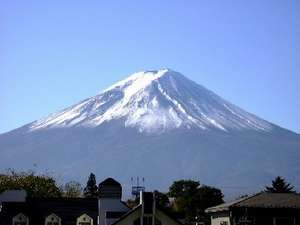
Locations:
109 182
13 196
68 209
261 200
110 188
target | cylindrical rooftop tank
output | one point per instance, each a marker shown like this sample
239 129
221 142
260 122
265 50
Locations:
110 188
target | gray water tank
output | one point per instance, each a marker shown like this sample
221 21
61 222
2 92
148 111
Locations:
110 188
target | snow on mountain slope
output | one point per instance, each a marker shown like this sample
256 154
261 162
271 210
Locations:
153 101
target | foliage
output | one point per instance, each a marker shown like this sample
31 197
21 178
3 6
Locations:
192 199
185 193
209 196
91 189
132 203
183 188
161 200
72 189
279 185
36 186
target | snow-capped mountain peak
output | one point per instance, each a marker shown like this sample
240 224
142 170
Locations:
156 101
139 80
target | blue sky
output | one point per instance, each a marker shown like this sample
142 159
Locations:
56 53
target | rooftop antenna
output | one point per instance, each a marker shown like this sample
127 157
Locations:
137 188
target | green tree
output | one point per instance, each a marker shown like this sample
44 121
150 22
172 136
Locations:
191 199
36 186
72 189
279 185
183 188
131 203
162 200
209 196
91 189
185 193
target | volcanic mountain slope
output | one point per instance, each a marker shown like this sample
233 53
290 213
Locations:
160 125
155 101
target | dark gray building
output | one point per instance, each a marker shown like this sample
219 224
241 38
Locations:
108 209
260 209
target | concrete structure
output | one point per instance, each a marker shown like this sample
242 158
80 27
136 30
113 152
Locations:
110 205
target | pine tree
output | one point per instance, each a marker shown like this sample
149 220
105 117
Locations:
91 189
279 185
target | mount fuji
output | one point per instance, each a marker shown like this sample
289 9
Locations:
162 126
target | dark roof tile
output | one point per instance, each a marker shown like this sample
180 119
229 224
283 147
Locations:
110 182
261 200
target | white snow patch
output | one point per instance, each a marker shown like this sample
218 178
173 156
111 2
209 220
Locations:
146 103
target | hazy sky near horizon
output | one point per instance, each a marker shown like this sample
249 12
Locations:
56 53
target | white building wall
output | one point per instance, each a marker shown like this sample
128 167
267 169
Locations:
222 220
110 204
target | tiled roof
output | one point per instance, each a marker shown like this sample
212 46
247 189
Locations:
261 200
68 209
224 207
13 196
272 200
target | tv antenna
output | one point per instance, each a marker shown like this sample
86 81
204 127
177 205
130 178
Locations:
137 187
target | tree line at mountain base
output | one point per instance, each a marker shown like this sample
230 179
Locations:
186 198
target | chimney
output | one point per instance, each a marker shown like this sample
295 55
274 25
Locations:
147 201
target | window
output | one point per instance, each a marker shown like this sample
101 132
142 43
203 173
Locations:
52 220
223 223
20 219
84 220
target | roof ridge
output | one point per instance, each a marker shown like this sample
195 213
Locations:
127 214
246 198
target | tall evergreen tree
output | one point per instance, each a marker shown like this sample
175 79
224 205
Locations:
91 189
279 185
